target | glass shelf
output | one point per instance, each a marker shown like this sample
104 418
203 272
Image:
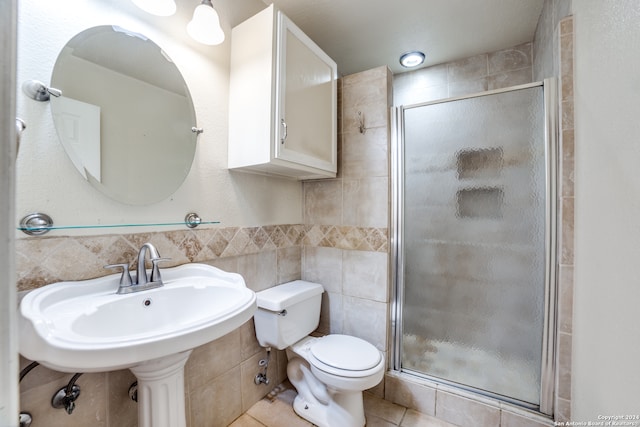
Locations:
38 224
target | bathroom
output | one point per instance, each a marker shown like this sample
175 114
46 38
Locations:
273 230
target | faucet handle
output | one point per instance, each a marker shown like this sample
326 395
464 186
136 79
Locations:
125 279
155 270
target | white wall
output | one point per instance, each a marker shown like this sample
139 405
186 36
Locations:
606 345
8 333
46 179
546 40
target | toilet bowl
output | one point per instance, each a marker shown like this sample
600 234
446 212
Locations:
329 372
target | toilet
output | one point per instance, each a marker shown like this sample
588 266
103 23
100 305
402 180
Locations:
329 372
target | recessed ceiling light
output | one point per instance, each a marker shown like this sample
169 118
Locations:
412 59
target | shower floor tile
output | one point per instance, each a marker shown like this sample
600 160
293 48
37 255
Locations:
276 410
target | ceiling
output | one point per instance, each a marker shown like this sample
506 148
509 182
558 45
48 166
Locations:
364 34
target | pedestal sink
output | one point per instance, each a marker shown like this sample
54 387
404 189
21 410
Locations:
85 326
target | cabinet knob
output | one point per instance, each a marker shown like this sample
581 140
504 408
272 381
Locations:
284 128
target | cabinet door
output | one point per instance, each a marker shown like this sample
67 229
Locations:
307 131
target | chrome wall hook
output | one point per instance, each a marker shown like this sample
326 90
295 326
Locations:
38 91
361 126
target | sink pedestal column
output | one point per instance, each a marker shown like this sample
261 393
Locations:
161 391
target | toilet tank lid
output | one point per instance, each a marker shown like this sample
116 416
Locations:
281 297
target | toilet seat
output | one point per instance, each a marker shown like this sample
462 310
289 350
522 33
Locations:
345 356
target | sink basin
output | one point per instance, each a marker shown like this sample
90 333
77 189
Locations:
85 326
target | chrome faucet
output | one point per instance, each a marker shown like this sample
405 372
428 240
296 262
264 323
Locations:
143 282
141 275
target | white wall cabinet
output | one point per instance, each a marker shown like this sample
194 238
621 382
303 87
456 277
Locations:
282 101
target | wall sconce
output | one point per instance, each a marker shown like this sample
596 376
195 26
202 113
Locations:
157 7
205 25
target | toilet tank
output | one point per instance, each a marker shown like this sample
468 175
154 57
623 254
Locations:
287 313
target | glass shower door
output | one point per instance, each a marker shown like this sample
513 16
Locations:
473 242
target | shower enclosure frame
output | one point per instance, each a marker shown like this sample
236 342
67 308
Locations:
551 137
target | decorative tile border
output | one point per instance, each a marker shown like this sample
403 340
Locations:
44 260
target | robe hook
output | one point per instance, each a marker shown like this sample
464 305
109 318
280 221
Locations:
362 127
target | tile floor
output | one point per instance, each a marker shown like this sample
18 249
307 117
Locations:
276 410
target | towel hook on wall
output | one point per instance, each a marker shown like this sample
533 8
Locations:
361 126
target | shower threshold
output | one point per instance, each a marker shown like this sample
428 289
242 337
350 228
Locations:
463 390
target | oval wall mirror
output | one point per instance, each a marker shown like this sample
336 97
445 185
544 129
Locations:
125 116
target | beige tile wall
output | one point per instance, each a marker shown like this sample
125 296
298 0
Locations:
356 277
565 280
218 376
456 406
45 260
504 68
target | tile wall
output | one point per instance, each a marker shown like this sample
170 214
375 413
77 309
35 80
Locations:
219 375
356 279
488 71
45 260
566 204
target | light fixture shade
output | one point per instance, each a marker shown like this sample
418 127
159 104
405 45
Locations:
412 59
157 7
205 25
